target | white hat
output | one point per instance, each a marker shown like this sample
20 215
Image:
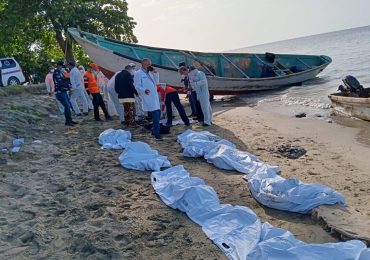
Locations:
132 65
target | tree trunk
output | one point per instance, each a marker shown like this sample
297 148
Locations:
65 45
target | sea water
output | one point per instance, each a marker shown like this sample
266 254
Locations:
350 51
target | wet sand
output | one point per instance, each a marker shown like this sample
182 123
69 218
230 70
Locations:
67 199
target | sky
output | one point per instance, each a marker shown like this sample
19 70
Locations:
220 25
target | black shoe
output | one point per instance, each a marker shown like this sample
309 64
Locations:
123 123
69 124
205 124
188 124
158 138
192 115
79 114
97 119
74 123
85 113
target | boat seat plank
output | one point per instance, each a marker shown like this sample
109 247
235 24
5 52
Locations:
301 61
190 54
235 66
279 71
171 61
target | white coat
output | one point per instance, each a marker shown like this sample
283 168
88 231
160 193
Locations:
78 92
199 83
146 80
113 98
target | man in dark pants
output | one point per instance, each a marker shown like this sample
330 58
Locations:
61 88
171 96
94 90
1 77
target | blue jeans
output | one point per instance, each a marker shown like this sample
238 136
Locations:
156 115
63 98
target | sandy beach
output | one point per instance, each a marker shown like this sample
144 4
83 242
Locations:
65 198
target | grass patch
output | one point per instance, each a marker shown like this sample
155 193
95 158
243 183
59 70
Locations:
24 109
19 89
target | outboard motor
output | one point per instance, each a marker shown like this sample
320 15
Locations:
352 83
352 87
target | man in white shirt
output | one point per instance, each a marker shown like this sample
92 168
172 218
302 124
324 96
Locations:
145 81
77 90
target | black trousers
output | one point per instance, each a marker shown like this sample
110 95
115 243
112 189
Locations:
99 102
175 99
1 79
198 108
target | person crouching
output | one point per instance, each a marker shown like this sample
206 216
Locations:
171 96
93 89
124 86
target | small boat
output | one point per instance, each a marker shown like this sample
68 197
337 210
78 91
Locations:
352 106
227 73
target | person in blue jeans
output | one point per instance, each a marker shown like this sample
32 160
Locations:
61 87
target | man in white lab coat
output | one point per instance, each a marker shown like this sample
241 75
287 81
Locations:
77 90
199 83
145 81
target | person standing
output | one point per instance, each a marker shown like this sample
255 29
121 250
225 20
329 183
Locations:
77 90
198 115
198 81
88 97
61 88
124 86
171 96
50 88
113 96
1 77
188 89
93 88
145 81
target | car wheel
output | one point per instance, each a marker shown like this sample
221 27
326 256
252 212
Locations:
13 81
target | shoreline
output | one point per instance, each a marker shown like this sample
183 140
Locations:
68 198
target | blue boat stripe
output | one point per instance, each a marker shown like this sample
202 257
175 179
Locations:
10 72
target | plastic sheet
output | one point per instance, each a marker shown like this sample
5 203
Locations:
237 230
114 139
266 185
139 156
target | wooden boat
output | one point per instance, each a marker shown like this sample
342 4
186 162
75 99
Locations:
353 106
227 73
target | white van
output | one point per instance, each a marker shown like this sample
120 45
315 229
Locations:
11 72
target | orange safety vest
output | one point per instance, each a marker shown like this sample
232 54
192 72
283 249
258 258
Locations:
92 86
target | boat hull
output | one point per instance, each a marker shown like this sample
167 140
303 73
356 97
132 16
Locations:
111 62
355 107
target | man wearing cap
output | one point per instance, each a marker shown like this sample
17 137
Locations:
145 81
77 90
61 88
93 88
124 86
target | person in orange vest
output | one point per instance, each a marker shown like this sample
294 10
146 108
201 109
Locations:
93 88
170 96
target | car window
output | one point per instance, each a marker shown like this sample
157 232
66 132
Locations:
8 63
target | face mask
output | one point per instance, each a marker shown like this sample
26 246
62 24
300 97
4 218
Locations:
51 71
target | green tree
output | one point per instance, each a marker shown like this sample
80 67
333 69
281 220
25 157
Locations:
36 31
